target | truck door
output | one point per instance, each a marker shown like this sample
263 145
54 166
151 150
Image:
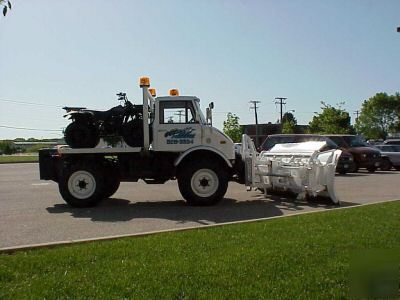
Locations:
178 129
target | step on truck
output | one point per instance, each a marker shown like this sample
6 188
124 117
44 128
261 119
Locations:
168 138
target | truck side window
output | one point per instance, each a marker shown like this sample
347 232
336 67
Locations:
177 112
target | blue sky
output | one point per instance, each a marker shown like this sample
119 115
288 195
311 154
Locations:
83 52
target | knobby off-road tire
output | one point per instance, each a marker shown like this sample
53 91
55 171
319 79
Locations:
82 186
80 135
203 182
132 132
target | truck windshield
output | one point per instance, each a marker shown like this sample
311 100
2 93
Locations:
198 109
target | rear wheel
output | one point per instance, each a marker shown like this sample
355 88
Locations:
203 182
385 164
81 186
80 135
397 168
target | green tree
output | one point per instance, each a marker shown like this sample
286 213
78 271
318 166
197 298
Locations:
232 127
7 147
288 116
331 120
6 6
379 116
289 123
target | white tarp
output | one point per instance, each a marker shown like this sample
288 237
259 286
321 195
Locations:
301 168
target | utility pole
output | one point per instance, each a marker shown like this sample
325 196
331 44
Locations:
179 113
357 113
281 102
254 103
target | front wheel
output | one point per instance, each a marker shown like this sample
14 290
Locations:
81 186
203 183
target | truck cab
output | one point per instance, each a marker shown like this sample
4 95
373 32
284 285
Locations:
175 141
179 125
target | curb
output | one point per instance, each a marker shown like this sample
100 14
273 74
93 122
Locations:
10 250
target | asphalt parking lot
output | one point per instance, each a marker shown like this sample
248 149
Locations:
32 211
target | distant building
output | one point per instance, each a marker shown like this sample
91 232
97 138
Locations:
265 130
22 146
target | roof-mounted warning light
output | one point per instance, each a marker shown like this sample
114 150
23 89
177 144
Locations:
152 92
173 92
144 81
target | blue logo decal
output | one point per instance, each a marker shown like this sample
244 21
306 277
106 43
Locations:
180 136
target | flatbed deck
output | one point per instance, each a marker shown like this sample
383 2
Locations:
107 150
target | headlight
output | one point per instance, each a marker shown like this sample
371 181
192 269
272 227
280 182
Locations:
364 155
351 158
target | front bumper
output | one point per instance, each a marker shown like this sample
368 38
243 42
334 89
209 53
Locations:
345 165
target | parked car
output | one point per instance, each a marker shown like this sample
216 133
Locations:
238 148
346 161
364 155
390 157
392 142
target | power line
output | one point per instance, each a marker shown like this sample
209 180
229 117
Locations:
281 102
25 128
29 103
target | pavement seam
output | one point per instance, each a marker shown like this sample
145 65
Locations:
10 250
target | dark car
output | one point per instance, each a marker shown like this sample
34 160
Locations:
392 142
345 163
364 155
390 156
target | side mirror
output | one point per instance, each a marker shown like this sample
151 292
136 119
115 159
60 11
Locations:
211 105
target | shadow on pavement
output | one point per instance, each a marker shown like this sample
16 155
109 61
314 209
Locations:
228 210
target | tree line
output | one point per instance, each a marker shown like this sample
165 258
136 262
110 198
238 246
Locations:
379 116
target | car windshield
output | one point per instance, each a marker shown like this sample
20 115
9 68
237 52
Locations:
273 140
354 141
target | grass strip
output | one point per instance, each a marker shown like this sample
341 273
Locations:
10 159
302 257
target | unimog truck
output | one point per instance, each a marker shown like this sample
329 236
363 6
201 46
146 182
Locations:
174 140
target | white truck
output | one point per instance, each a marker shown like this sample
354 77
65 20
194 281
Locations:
179 143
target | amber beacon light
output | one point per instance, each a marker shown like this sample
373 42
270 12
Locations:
173 92
152 92
144 81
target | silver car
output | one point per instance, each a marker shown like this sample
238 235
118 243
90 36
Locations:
390 157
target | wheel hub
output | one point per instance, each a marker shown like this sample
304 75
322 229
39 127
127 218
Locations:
82 184
204 182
